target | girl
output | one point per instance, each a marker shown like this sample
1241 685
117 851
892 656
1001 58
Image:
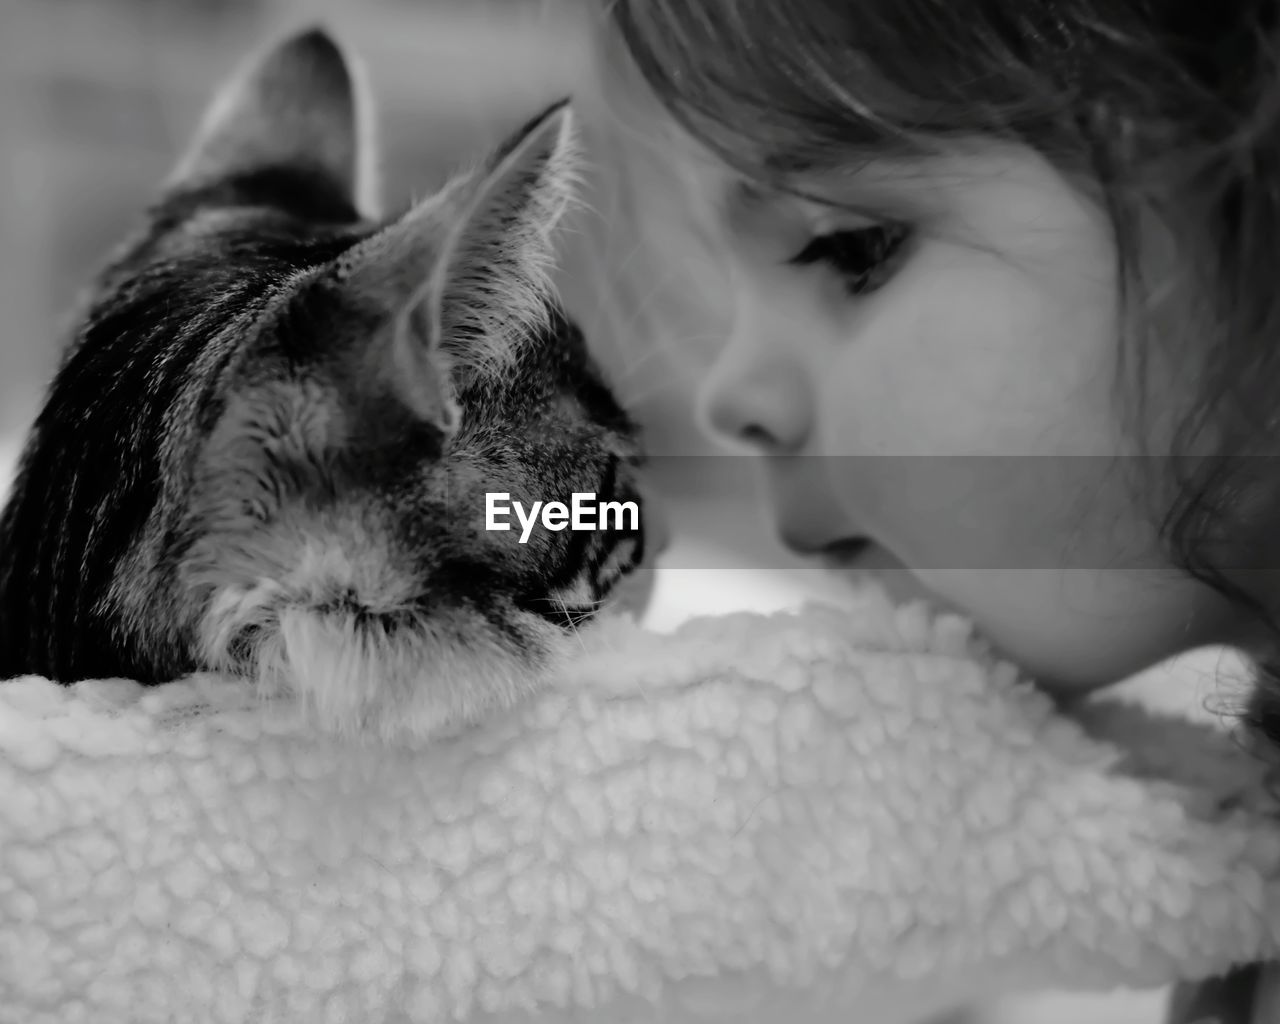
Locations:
1005 308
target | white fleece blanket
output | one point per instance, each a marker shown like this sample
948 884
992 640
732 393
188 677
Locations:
833 815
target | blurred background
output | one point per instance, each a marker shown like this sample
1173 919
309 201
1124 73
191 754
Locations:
98 96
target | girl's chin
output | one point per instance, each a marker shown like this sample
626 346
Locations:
903 587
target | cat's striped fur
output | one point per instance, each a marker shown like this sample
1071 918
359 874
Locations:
268 447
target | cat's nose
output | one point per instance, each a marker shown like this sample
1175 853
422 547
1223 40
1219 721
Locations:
636 587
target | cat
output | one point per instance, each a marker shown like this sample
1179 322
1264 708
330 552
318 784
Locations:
267 450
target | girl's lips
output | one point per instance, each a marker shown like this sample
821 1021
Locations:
842 554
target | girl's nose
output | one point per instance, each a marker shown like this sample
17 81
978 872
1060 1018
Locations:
758 399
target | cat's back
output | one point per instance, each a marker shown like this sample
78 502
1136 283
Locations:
161 328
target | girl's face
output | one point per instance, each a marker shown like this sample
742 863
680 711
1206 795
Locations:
941 397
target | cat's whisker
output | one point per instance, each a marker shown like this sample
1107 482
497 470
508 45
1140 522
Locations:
573 625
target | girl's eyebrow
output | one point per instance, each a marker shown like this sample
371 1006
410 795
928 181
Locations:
877 194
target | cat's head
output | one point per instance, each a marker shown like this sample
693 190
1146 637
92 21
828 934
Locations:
344 394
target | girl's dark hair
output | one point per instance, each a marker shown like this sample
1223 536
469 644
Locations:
1168 111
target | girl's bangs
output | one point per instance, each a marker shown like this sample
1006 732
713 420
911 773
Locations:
768 111
778 89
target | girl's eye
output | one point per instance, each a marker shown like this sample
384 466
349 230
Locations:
864 258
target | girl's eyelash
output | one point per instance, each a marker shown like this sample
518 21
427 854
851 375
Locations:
864 258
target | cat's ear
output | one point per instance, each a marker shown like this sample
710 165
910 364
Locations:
461 280
474 259
490 287
297 105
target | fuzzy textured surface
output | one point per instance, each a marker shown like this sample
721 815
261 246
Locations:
757 818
